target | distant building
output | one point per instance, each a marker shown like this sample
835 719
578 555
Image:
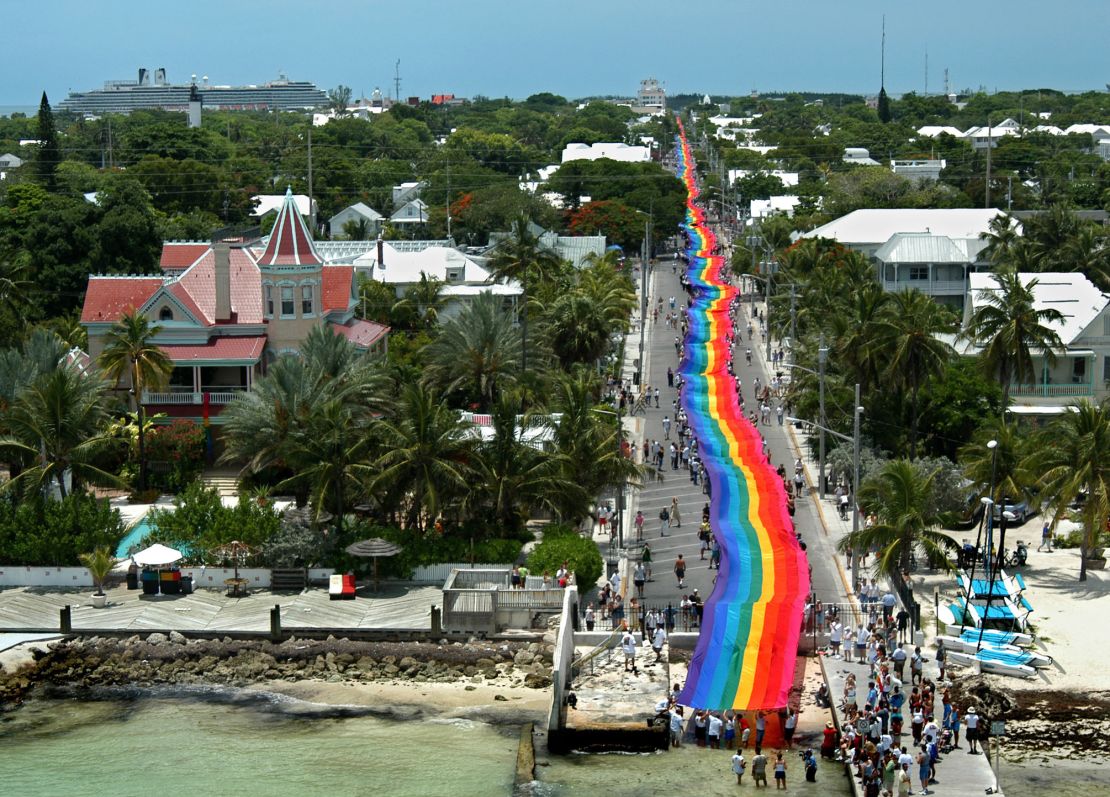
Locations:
272 203
930 250
412 212
229 307
406 192
762 208
1082 369
651 98
9 162
356 213
920 171
576 249
612 150
859 156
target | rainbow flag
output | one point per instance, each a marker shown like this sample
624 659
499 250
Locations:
745 656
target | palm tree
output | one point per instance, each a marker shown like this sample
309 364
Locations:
426 459
901 500
854 333
1003 465
60 422
515 475
906 340
423 301
523 258
579 330
1088 253
1010 328
1073 458
131 350
1002 236
477 352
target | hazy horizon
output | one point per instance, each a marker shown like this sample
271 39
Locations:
574 48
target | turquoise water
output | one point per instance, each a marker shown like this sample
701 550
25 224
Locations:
165 746
130 543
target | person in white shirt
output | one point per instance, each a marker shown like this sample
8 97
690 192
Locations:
739 765
657 642
628 646
676 726
713 733
836 631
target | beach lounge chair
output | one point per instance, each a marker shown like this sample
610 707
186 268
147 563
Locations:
341 586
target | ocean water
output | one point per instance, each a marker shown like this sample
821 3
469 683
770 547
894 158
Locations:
160 746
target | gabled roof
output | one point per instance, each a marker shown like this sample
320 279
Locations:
108 298
361 209
920 247
198 285
290 241
1075 296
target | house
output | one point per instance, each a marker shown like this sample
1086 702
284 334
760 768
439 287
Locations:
406 192
762 208
988 135
1082 369
933 131
8 162
859 156
357 212
931 250
577 249
228 308
616 151
463 277
922 170
414 211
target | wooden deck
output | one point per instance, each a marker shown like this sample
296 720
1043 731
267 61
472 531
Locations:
395 607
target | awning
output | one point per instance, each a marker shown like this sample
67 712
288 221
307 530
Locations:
245 350
362 334
1037 409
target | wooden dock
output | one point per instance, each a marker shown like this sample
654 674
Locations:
37 609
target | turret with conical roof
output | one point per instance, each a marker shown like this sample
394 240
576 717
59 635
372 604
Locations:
292 278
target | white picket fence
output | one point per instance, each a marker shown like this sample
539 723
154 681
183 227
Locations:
437 574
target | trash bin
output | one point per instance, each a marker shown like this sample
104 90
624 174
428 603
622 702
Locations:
186 585
150 582
132 579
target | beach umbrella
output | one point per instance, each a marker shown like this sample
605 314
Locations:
157 555
373 548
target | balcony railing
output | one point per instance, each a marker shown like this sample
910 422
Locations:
1052 390
223 394
955 287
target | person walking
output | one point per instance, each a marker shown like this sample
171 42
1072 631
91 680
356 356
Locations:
680 571
780 771
664 521
666 427
759 767
639 576
971 722
628 646
676 515
645 559
1046 538
639 524
739 766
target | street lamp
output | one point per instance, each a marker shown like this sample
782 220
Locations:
822 356
645 263
855 441
766 321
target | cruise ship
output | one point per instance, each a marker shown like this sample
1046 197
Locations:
151 91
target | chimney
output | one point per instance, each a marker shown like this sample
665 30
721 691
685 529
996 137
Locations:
381 252
222 252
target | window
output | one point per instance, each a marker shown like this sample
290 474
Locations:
269 301
306 300
919 272
287 306
166 314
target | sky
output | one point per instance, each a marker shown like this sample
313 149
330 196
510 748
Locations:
575 48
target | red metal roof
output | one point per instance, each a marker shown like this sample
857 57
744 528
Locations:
247 350
182 254
336 290
290 241
361 333
108 298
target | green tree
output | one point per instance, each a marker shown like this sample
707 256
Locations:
49 151
909 344
131 350
901 500
477 353
1005 464
1009 328
1072 455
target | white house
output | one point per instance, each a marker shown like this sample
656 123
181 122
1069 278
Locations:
463 277
576 249
414 211
921 170
932 250
981 137
859 156
271 203
406 192
612 150
356 213
932 131
761 208
1082 369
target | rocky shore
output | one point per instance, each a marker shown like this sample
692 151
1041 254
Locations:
166 660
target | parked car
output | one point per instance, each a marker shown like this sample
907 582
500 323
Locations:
1020 510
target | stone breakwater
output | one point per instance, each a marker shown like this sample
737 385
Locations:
160 659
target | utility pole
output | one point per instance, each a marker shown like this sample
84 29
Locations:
858 410
447 198
793 321
822 356
767 304
990 146
311 213
397 81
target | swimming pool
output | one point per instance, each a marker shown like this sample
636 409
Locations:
134 537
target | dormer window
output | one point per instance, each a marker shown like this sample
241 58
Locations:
306 301
165 314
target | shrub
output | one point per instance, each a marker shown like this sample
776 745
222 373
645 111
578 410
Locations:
200 523
45 532
175 454
581 555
